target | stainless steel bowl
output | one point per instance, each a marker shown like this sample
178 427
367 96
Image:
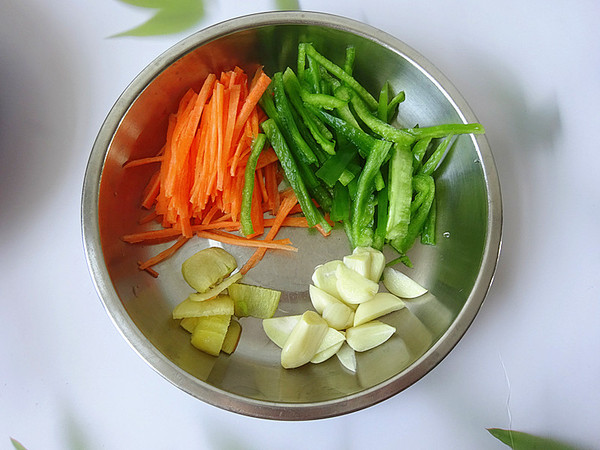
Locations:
458 270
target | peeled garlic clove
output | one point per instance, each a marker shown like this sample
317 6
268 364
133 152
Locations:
338 315
359 262
304 340
278 329
353 287
401 285
377 261
324 277
331 343
368 335
381 304
321 299
347 357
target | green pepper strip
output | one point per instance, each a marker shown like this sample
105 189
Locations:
436 157
365 187
312 214
383 129
400 190
349 60
336 70
301 59
420 183
340 208
440 131
428 232
393 105
382 109
356 136
312 75
319 132
334 167
303 151
321 100
246 212
382 218
418 151
359 138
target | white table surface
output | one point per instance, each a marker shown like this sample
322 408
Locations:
530 361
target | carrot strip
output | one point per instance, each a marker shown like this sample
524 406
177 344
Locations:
221 158
151 191
321 230
211 213
173 232
286 206
223 218
234 98
272 187
162 201
260 177
189 123
267 156
281 244
295 222
256 212
142 161
256 92
164 254
148 218
296 209
151 271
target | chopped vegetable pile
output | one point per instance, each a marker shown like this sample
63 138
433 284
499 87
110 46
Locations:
308 147
347 304
337 148
323 134
210 314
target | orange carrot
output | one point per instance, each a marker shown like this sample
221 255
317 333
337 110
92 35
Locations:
266 157
148 218
150 270
142 161
272 186
260 177
233 239
197 189
151 191
286 206
256 92
164 254
173 232
295 222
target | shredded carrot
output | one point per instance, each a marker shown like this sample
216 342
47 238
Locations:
150 270
319 227
267 156
286 206
164 254
142 161
148 218
197 187
294 222
233 239
260 177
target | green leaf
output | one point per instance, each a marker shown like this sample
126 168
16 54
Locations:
287 4
172 16
17 444
524 441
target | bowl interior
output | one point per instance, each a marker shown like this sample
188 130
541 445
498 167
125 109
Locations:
251 381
